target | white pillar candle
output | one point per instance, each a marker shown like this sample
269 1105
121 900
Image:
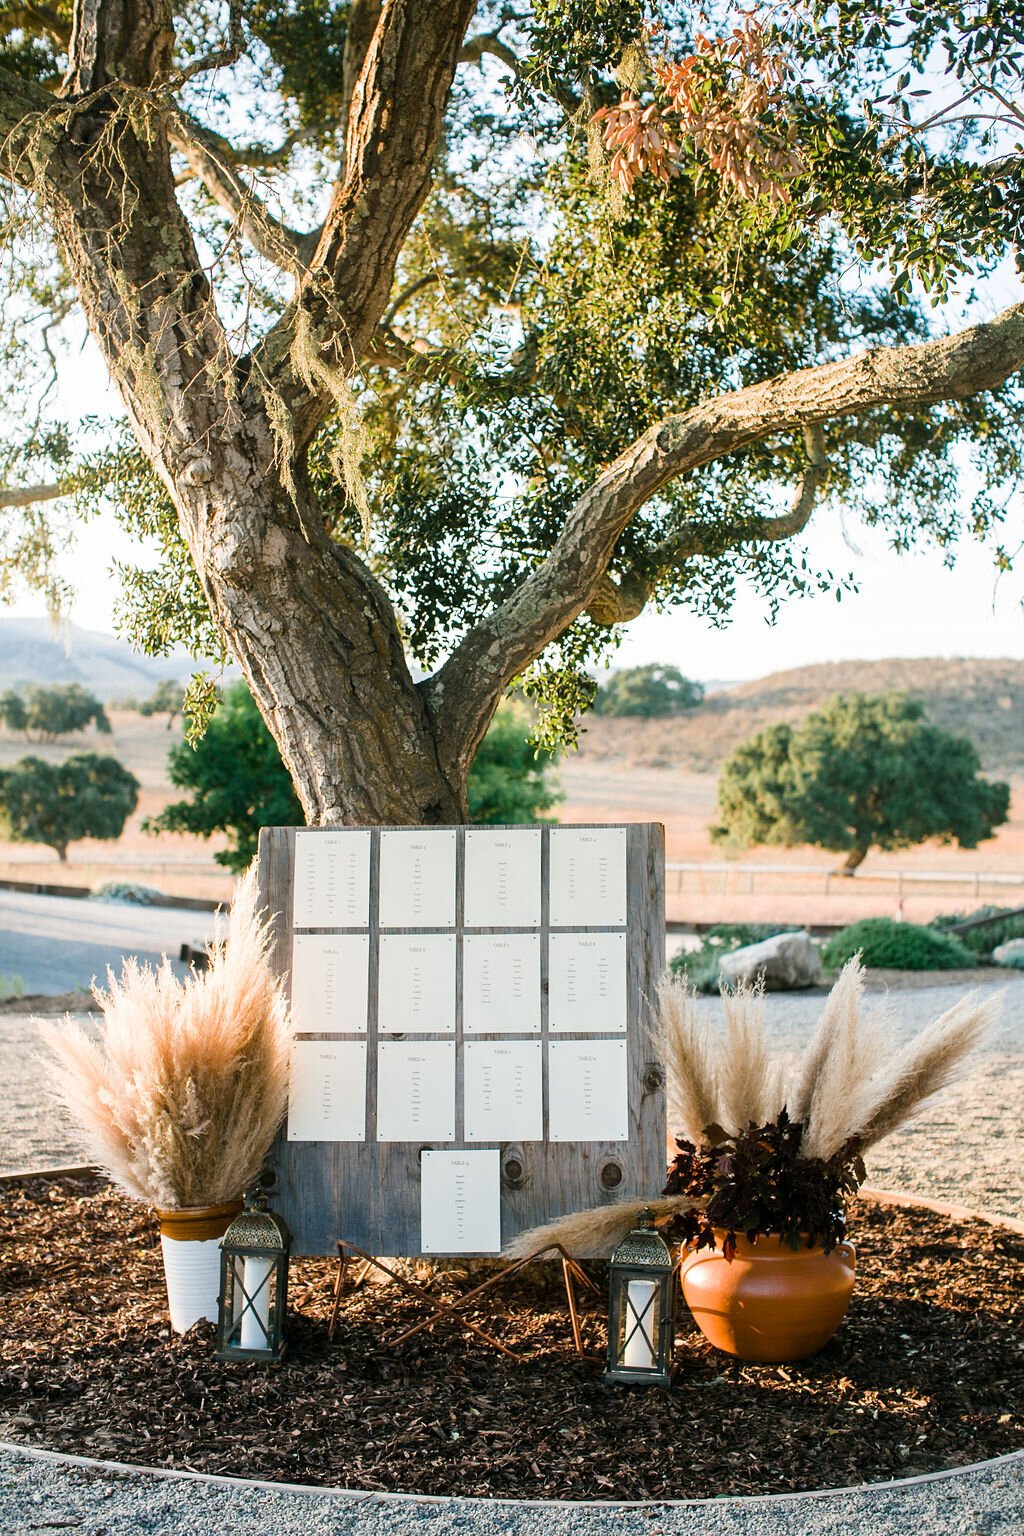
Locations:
639 1351
256 1279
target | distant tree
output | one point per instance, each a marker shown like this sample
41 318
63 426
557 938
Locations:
166 699
58 803
866 771
236 779
649 691
510 777
13 711
47 713
238 783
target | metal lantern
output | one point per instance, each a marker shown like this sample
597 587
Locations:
253 1284
641 1309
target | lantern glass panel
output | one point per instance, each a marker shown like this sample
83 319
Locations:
639 1318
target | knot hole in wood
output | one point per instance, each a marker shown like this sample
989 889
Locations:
611 1175
513 1168
654 1077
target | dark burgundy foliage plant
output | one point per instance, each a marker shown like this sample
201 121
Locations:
757 1183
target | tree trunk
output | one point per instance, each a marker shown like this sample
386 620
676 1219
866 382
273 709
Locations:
318 644
854 859
62 851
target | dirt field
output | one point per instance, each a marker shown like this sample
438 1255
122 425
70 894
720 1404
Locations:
767 885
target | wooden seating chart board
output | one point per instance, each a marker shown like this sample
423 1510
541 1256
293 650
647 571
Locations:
472 1049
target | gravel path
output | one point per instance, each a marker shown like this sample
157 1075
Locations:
58 943
45 1495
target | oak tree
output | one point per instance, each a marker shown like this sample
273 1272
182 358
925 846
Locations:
86 795
865 771
456 334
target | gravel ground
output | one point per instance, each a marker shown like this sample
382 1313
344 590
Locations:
43 1495
968 1146
967 1149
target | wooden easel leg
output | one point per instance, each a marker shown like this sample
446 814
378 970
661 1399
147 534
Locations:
339 1283
570 1294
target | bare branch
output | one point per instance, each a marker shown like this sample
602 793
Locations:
285 247
398 104
23 105
220 58
28 495
405 294
619 601
462 696
474 50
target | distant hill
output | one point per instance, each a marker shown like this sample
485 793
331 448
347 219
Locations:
969 696
32 652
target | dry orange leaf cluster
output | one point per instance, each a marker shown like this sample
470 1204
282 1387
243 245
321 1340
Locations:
722 98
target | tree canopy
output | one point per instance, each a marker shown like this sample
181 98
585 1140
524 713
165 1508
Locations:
57 803
866 771
463 333
46 713
649 691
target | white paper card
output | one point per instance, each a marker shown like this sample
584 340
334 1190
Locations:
327 1092
588 877
501 983
504 1091
416 1091
460 1202
587 1099
502 878
330 974
417 984
332 879
417 878
587 982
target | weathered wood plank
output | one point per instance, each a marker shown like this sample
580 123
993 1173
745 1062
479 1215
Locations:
369 1192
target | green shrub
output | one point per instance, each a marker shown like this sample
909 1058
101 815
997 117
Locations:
700 966
886 944
982 941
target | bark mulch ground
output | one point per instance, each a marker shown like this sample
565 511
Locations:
927 1372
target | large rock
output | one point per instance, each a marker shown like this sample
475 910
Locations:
1010 953
787 961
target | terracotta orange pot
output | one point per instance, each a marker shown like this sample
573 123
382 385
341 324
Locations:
769 1303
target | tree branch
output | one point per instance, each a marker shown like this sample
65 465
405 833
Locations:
28 495
474 50
286 247
619 601
23 105
397 108
219 58
464 693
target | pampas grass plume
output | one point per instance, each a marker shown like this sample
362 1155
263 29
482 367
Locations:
595 1233
692 1057
181 1095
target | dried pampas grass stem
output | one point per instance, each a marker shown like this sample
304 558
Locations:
692 1057
595 1233
182 1093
